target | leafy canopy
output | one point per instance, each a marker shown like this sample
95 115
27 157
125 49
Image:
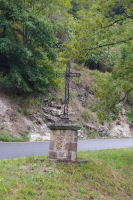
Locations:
103 32
27 48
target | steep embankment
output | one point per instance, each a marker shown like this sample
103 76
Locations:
22 116
82 102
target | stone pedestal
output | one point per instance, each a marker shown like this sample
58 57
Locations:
63 141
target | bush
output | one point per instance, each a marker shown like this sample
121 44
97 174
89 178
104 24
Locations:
5 137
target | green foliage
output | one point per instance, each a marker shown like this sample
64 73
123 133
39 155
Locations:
26 48
103 38
101 24
6 137
124 72
108 95
27 112
116 87
96 63
130 116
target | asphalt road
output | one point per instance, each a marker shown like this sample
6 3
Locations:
15 150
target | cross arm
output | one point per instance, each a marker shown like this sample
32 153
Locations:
75 74
70 75
60 75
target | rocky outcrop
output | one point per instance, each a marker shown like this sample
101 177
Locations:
121 127
99 130
117 129
10 119
16 123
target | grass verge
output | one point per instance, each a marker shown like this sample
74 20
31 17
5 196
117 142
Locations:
5 137
108 175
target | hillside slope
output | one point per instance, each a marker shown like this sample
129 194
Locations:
21 115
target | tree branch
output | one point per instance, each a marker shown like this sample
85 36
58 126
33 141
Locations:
116 21
128 16
111 44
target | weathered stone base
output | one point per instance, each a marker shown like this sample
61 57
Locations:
63 145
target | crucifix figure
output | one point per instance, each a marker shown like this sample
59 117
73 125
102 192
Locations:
67 75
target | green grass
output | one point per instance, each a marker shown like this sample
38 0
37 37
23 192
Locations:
108 175
6 137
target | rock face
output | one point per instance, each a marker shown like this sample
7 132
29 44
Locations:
10 120
16 124
117 129
99 130
122 130
121 127
37 122
38 132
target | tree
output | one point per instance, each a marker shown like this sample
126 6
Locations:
101 25
114 90
103 28
27 48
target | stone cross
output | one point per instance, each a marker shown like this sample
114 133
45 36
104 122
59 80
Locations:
64 134
67 75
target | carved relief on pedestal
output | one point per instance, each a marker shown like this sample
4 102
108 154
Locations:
59 143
